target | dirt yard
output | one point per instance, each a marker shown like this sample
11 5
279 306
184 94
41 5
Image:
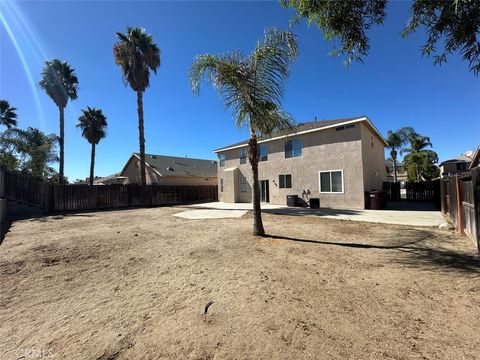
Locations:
133 285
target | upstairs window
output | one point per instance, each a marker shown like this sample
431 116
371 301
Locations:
221 159
293 148
331 181
285 181
243 156
461 166
262 152
344 127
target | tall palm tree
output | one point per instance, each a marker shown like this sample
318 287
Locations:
137 54
395 140
8 116
37 149
418 159
252 87
61 84
93 124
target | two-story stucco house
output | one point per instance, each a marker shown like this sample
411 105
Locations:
335 161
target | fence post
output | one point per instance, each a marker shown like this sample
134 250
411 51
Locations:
459 205
50 198
475 173
2 183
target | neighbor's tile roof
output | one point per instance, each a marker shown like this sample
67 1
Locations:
299 128
181 166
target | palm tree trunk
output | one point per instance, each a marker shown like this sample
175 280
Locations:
61 141
141 137
394 169
393 154
92 164
258 229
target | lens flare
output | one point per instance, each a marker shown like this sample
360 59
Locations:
26 45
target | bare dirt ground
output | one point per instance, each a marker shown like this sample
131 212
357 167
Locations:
133 285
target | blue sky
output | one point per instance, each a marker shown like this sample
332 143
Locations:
395 86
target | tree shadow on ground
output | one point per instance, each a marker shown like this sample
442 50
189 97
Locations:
302 211
47 217
416 252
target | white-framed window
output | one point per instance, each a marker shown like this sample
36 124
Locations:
221 158
344 127
263 152
243 155
221 185
243 184
285 181
293 148
331 181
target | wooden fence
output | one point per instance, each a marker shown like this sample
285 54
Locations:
460 195
53 198
428 191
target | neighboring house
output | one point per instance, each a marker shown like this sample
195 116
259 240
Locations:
170 170
401 173
455 166
475 159
333 160
111 180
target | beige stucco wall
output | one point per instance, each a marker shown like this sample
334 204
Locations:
374 171
132 171
322 150
349 150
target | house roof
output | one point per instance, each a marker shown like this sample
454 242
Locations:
180 166
475 158
106 178
458 159
307 127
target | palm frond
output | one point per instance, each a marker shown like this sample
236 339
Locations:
59 82
8 115
272 61
136 54
93 125
231 77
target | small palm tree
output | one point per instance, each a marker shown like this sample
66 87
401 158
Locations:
93 125
420 161
137 54
395 140
36 148
252 87
8 116
61 84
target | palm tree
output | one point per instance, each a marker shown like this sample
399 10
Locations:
61 84
36 148
93 125
395 140
417 143
137 54
418 159
8 116
252 87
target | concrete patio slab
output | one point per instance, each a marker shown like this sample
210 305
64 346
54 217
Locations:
397 217
210 214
